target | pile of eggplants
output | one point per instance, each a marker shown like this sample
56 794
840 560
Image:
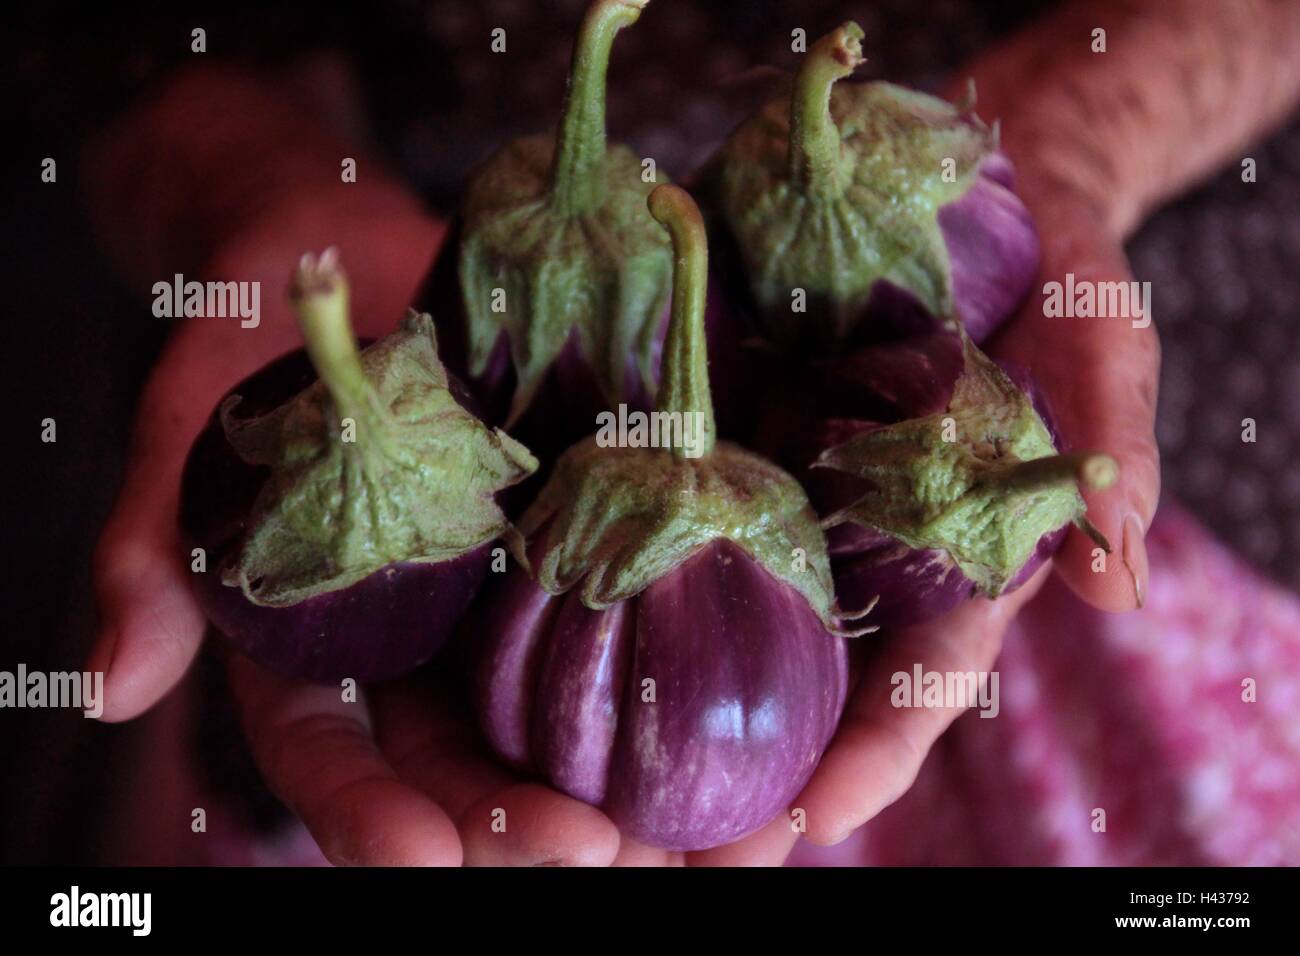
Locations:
660 625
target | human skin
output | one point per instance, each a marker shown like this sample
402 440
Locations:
1098 140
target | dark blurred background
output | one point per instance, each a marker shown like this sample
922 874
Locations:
1224 263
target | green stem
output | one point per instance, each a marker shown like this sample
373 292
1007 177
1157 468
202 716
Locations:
319 291
814 138
684 379
577 185
1090 469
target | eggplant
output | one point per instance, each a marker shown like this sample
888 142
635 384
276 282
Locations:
863 212
552 288
957 487
666 646
344 521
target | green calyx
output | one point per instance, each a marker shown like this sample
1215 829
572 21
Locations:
980 480
375 463
836 187
614 519
557 241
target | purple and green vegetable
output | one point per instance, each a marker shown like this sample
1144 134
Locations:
670 642
867 211
668 647
961 489
552 291
344 498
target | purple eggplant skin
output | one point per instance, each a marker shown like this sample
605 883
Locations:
563 410
748 687
877 386
384 625
993 249
911 586
994 256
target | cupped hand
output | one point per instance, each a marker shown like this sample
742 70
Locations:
397 775
400 775
1100 377
1099 137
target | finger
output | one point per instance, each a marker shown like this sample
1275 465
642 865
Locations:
150 626
429 735
766 847
1100 376
879 748
317 754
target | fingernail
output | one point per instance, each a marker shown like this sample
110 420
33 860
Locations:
1134 552
101 655
839 836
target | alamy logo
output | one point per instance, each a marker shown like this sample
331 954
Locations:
942 689
75 908
213 300
651 430
38 689
1102 300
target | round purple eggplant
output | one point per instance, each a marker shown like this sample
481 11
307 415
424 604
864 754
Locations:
692 713
667 646
946 481
861 212
344 521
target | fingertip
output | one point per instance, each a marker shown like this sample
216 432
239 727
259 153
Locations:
151 626
532 825
147 658
100 659
380 821
831 829
1114 581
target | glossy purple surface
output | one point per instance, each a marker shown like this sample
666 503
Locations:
691 714
382 626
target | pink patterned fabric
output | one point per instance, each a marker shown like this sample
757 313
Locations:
1141 715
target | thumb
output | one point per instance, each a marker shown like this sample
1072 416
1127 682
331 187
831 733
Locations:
150 626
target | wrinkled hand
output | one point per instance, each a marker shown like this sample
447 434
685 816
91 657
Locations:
1098 139
1100 376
